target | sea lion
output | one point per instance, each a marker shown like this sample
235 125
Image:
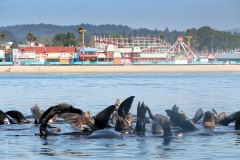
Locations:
114 117
237 121
141 119
4 119
18 116
118 103
208 119
181 121
232 117
160 124
89 117
219 117
123 126
75 119
124 121
105 134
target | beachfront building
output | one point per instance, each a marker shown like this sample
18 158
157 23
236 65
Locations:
88 54
16 56
64 55
2 53
228 58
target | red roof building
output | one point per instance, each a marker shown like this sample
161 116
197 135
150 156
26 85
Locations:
51 54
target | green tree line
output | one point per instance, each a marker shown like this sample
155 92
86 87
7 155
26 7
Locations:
204 38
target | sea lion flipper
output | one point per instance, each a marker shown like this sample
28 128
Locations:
141 114
175 108
78 121
199 114
36 112
125 106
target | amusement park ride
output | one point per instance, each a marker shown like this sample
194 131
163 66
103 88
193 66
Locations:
150 45
179 47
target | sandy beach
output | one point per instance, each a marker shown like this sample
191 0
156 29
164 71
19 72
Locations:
119 69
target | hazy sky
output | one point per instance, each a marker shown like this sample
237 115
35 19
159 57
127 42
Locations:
151 14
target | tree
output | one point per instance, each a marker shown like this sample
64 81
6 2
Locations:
212 36
162 37
30 38
197 44
80 29
66 39
3 37
188 32
115 36
58 44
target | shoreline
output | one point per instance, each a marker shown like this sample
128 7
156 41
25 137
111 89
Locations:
119 69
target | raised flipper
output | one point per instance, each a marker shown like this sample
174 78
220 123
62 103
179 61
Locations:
125 106
101 119
181 121
36 112
140 124
175 108
199 114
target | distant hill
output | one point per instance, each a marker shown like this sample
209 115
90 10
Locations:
19 32
223 40
235 30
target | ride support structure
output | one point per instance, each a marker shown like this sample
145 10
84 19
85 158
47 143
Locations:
179 47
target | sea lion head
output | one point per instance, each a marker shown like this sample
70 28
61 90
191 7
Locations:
122 126
208 119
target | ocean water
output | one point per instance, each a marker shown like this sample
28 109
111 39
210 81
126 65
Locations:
95 92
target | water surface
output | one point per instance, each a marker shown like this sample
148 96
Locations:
95 92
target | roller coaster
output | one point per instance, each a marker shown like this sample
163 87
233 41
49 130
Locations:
148 45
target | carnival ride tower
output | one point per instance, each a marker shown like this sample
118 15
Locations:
179 47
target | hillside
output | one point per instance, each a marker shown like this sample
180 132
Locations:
201 41
235 30
19 32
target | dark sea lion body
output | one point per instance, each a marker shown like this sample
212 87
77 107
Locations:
18 116
181 121
105 134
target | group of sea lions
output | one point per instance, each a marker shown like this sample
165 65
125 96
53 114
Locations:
115 120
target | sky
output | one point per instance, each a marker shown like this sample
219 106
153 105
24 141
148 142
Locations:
152 14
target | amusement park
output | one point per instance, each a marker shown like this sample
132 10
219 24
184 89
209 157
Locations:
108 50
